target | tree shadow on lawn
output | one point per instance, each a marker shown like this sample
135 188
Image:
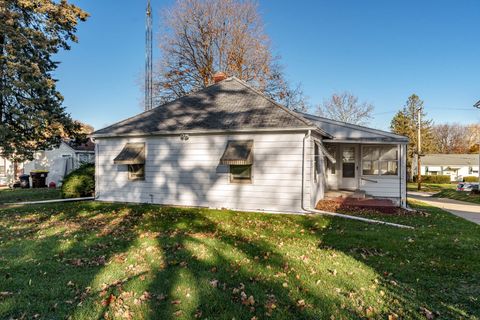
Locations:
220 272
51 254
433 270
92 261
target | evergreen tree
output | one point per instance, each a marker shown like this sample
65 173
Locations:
405 123
31 113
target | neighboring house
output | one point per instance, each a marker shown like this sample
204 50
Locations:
7 172
62 160
229 146
457 166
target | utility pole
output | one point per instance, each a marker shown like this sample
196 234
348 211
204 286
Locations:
419 148
477 105
148 59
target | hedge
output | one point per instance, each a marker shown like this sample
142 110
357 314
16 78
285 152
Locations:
434 179
470 179
80 182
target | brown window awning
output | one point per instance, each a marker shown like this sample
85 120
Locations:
238 152
132 153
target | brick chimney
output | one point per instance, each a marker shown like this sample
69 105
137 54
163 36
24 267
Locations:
219 76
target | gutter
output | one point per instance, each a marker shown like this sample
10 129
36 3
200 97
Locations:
334 214
194 132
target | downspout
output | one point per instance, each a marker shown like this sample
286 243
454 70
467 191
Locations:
333 214
307 136
400 174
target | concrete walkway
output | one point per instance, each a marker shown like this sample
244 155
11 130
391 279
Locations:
466 210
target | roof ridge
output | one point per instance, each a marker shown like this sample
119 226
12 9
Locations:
293 113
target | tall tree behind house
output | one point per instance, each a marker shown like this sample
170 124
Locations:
346 107
405 123
202 37
31 113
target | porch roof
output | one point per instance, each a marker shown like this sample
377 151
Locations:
347 132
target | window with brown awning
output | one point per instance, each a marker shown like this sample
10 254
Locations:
238 152
132 153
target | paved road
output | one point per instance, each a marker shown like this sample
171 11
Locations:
466 210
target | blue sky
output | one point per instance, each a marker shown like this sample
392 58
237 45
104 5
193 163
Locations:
382 51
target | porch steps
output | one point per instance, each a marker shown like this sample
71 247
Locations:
357 198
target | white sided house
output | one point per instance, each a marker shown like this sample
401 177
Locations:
62 160
457 166
229 146
7 172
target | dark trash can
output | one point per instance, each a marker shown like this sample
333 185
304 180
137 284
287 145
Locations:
39 179
24 181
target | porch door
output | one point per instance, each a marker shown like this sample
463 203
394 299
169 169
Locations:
349 158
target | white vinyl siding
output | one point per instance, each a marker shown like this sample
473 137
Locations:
187 172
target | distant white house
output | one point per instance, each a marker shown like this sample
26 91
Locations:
62 160
457 166
229 146
7 171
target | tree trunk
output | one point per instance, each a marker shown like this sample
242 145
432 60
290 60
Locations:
2 75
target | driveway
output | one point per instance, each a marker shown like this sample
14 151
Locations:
466 210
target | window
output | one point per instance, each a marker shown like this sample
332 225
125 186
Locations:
241 173
348 162
3 167
316 169
332 149
136 172
380 160
83 158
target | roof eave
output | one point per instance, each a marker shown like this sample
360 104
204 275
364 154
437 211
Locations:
200 132
367 141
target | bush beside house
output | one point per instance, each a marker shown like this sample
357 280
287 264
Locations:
470 179
434 179
80 182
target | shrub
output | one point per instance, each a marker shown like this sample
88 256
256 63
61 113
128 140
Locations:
80 182
470 179
434 179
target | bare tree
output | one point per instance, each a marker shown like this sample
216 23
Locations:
473 137
451 138
202 37
345 107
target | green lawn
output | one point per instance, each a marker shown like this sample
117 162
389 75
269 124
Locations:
458 195
431 187
20 195
446 191
114 261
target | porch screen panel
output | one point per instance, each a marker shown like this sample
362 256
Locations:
380 160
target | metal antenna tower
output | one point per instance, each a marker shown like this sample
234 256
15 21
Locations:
148 59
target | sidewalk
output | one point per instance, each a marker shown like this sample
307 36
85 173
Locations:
466 210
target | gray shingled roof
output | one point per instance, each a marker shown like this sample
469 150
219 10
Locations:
450 160
228 105
348 131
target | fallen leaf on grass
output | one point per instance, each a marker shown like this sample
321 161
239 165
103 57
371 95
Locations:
427 313
178 313
108 301
250 301
301 304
